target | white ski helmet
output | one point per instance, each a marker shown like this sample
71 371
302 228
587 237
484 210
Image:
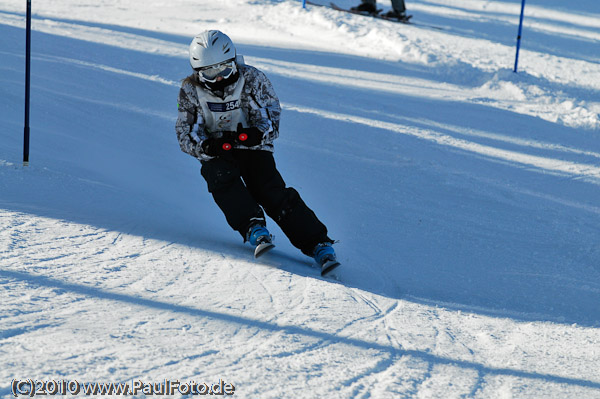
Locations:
209 48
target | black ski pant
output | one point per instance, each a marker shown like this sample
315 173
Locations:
245 182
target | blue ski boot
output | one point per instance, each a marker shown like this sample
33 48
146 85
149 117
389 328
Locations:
325 257
259 236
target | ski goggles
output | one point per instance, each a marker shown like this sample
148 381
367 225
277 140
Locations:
211 73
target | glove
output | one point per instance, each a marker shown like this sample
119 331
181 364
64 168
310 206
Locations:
215 147
248 136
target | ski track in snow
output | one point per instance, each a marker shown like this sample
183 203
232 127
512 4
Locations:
128 273
107 279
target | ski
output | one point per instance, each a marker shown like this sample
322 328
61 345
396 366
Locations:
406 20
263 248
329 266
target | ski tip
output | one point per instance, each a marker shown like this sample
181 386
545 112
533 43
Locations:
329 267
263 248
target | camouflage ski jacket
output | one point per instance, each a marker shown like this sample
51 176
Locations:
256 102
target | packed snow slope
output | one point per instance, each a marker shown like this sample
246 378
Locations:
464 197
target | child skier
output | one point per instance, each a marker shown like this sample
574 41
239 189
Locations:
228 119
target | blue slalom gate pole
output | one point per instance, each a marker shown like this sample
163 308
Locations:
27 84
303 3
519 35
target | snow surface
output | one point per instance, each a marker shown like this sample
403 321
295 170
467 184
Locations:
464 197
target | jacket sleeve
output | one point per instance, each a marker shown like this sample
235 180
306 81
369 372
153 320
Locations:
189 116
263 108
